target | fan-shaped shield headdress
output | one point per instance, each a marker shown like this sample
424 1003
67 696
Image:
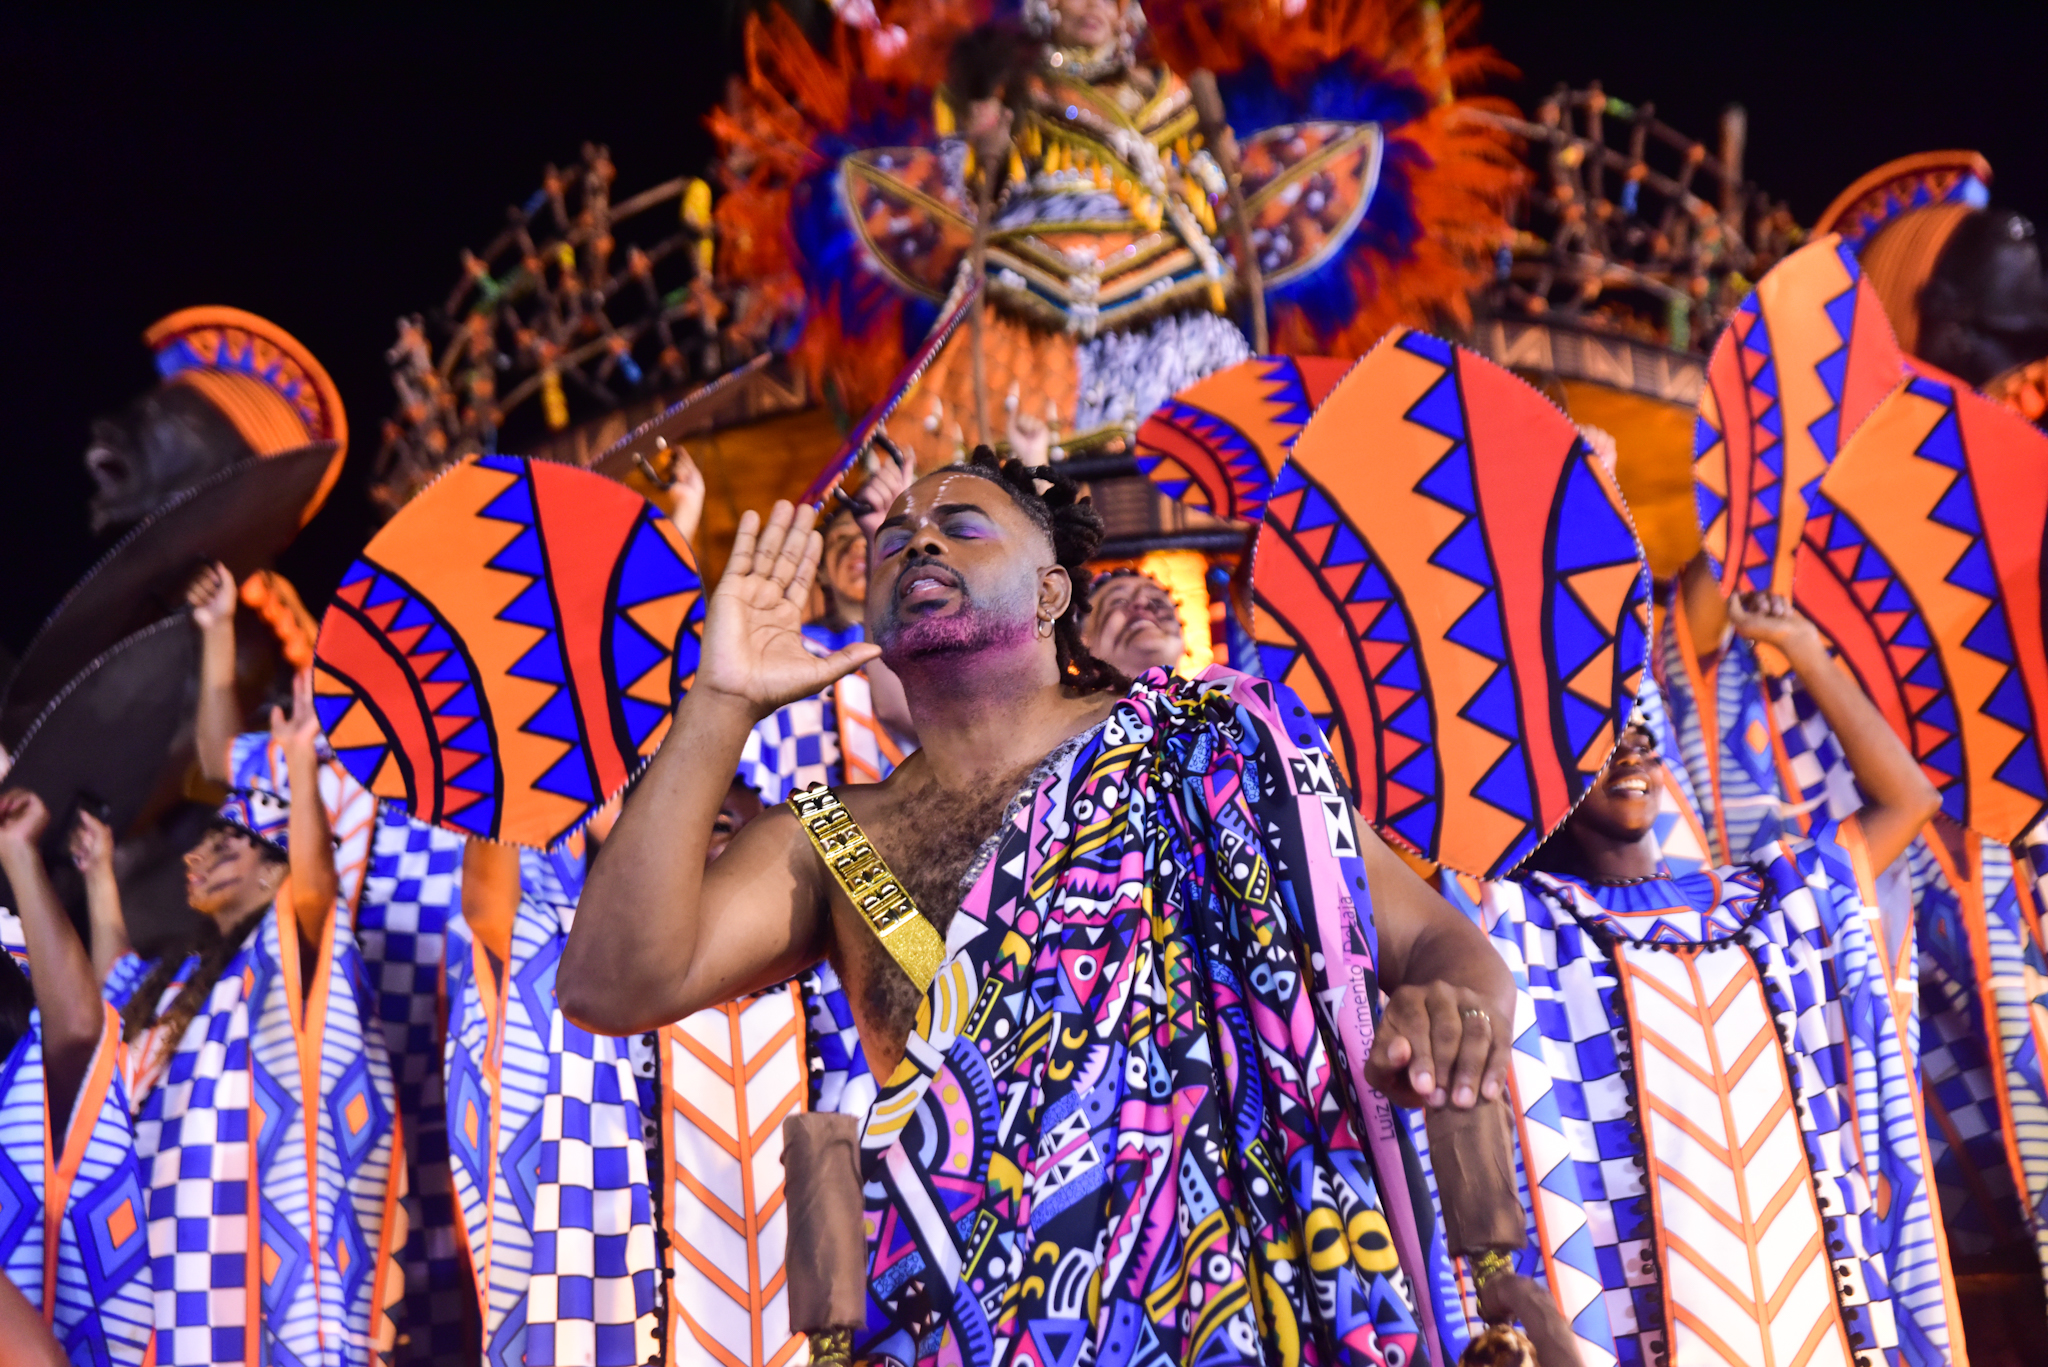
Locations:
1921 562
1801 365
1447 577
505 654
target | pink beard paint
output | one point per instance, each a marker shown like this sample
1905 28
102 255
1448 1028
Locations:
952 644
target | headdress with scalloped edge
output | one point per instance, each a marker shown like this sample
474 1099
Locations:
261 378
1898 218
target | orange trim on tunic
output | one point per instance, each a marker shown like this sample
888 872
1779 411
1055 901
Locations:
60 1174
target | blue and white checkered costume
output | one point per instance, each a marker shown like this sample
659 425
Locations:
565 1274
90 1200
404 881
268 1138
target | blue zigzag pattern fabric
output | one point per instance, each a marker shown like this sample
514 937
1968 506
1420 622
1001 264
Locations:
103 1312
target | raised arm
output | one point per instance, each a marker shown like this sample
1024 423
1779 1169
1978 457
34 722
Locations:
61 974
656 935
92 852
1897 797
212 598
1450 1014
314 882
1706 609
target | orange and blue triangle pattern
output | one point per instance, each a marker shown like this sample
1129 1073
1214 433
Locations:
1449 579
1920 561
1217 444
1803 362
506 653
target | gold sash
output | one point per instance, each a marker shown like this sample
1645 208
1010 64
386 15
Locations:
869 883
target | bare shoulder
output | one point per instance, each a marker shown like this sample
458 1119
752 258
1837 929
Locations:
871 803
771 851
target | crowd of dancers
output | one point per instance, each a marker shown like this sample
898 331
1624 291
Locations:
1496 955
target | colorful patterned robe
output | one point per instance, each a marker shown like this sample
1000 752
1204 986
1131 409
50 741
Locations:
71 1220
1720 1132
275 1110
404 880
549 1165
1131 1121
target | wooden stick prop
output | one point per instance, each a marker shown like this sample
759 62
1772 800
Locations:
827 1261
984 209
1474 1157
1222 145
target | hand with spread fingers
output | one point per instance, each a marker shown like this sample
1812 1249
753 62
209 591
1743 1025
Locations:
754 646
1438 1045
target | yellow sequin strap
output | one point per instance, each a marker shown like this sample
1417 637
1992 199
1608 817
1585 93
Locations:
869 883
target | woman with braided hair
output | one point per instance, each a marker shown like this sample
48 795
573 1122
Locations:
1114 950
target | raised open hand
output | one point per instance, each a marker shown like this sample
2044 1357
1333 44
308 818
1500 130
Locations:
754 648
301 726
211 596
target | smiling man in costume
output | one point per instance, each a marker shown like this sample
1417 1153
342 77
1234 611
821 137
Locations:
1126 987
1133 624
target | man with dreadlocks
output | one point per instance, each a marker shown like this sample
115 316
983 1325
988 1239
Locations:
1117 950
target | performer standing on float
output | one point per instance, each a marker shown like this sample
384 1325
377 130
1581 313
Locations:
79 1249
1072 826
265 1107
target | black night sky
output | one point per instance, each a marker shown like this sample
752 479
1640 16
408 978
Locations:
324 170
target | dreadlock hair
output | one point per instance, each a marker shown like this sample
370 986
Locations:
1069 520
214 949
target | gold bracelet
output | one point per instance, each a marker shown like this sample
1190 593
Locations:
871 885
1489 1263
831 1347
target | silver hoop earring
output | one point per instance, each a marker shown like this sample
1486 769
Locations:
1044 628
